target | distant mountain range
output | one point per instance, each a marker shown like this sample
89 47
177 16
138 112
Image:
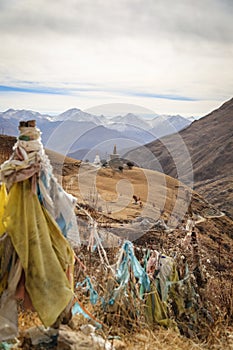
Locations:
83 135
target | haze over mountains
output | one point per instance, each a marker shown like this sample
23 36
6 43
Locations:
202 152
79 134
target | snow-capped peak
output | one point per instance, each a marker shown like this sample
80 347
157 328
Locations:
78 115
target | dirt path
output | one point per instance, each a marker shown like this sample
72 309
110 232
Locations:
202 219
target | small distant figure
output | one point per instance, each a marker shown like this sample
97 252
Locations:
140 204
136 199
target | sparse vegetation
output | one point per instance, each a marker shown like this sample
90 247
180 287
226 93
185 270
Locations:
211 276
130 165
104 163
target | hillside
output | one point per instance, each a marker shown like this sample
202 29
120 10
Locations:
209 142
109 199
158 222
163 201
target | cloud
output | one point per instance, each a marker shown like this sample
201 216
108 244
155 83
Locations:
160 96
201 20
69 90
34 90
144 50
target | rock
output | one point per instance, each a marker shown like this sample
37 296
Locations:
87 329
40 334
69 340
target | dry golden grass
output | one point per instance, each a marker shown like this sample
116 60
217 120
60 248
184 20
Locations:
113 192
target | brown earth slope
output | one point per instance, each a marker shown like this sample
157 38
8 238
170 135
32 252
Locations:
110 202
209 143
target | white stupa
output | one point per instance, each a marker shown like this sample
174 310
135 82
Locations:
114 155
97 160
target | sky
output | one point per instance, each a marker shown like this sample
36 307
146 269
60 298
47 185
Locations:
160 56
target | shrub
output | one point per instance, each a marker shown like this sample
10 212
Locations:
130 164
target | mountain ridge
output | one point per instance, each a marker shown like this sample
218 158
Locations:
209 143
65 133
